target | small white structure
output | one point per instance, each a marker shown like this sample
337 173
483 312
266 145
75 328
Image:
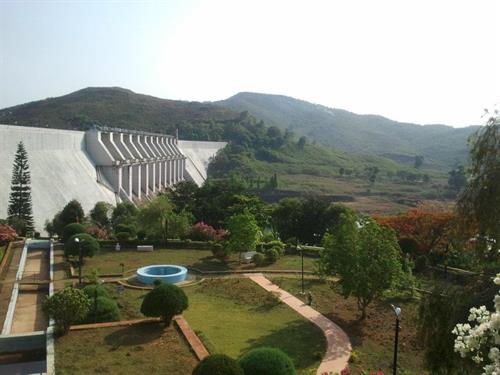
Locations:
145 248
247 256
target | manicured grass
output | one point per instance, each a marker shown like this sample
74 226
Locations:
137 349
108 261
373 338
233 315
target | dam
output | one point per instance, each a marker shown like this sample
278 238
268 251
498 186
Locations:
103 164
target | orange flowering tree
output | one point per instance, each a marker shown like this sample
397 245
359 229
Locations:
429 226
7 233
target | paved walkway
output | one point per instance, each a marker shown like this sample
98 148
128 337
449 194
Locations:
28 315
338 344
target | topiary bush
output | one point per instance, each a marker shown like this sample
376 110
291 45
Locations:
218 364
165 301
102 309
259 259
94 290
89 244
266 361
72 229
272 256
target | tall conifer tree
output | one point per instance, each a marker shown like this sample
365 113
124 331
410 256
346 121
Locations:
20 211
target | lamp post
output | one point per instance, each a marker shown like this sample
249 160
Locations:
397 312
80 259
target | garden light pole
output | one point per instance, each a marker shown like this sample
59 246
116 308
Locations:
80 259
397 312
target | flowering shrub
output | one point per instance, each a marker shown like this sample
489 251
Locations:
482 339
204 232
7 233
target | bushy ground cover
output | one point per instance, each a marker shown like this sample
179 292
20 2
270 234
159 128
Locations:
136 349
234 315
108 261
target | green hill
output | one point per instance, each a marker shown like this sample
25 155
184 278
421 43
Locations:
256 152
441 146
113 106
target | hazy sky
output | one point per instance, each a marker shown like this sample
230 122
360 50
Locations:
417 61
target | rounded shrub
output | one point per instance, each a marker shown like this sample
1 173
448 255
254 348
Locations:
102 309
266 361
72 229
220 251
272 256
165 301
89 244
259 259
94 290
218 364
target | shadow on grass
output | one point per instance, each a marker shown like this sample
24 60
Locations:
300 339
136 334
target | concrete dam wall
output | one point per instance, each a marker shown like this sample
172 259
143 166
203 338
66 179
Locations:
110 165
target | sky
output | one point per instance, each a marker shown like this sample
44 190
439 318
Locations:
421 61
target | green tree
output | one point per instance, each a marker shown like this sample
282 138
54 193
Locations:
419 160
20 212
165 301
302 142
72 229
243 232
124 213
365 256
67 306
479 201
457 179
100 214
154 217
88 243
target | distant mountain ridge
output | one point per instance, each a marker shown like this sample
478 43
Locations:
112 106
363 134
441 146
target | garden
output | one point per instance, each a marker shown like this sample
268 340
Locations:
427 267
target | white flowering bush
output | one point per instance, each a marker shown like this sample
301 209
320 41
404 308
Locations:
482 339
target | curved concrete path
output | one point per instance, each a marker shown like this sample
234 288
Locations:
338 344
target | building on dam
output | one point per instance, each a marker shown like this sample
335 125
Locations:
103 164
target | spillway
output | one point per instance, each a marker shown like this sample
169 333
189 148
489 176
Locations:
103 164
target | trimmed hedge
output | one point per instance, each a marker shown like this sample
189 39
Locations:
218 364
102 309
92 289
267 361
165 301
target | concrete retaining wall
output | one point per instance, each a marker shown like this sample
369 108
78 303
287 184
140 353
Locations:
22 342
60 170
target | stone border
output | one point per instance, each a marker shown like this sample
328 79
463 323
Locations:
257 270
193 340
9 317
120 323
147 287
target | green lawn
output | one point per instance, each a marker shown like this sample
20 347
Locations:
108 261
137 349
233 315
372 339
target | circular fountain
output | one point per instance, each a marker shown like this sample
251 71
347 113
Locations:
168 273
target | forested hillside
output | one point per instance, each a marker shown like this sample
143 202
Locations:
442 146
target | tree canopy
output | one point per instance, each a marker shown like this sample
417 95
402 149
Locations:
20 212
364 255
